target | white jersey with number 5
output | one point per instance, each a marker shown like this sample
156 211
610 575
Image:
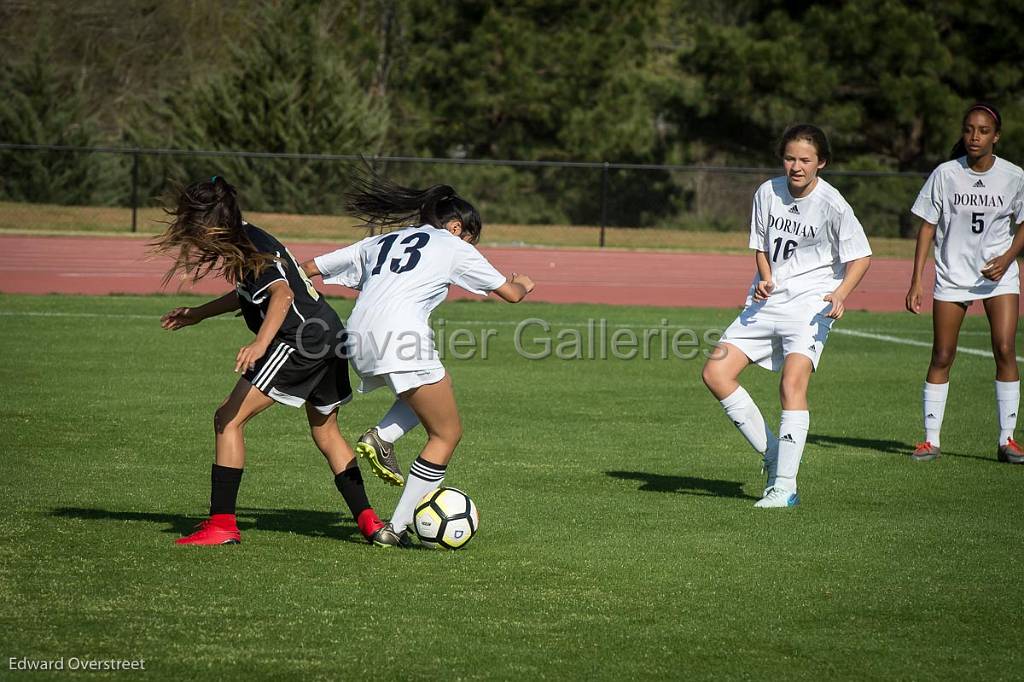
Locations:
808 242
402 276
974 216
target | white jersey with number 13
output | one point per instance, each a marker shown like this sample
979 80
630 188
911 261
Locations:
402 276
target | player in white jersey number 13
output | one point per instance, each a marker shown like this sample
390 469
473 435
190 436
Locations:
969 207
811 252
402 276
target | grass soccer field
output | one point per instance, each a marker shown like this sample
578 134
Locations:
618 538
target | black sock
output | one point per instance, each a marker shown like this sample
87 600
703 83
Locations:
350 484
224 482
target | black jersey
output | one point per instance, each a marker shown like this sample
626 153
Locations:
311 325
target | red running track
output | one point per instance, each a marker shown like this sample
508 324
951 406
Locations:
108 265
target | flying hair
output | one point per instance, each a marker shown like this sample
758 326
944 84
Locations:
380 202
205 234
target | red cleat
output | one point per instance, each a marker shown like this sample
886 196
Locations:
219 529
925 452
369 523
1011 453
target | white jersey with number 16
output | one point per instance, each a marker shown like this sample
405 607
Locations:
808 242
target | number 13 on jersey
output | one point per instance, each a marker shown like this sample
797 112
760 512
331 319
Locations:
413 244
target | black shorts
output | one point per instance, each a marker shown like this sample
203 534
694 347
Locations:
290 378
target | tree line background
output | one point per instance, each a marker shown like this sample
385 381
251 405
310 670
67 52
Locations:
707 82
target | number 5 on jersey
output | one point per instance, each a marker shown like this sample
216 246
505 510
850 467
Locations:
977 223
414 243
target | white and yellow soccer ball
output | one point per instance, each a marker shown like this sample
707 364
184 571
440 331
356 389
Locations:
446 519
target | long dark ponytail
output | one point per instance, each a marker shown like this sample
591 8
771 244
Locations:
960 149
205 233
380 202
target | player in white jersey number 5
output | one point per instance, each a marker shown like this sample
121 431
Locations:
811 252
402 276
969 207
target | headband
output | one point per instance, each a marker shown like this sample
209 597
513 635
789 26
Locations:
991 113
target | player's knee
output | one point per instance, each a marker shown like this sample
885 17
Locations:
449 436
1004 352
710 375
792 388
322 434
222 421
317 434
942 358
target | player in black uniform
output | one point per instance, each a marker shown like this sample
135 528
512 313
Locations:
292 360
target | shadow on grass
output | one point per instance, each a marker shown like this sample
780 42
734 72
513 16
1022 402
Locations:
887 447
684 485
316 524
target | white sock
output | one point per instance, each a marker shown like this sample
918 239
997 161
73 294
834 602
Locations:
934 408
792 436
1007 402
423 477
399 421
747 418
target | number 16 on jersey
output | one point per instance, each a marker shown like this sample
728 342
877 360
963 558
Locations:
787 249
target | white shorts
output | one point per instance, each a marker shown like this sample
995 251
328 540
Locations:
768 340
1009 284
400 382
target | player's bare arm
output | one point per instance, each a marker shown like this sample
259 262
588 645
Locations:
997 267
925 237
516 288
764 268
310 268
184 317
855 271
281 298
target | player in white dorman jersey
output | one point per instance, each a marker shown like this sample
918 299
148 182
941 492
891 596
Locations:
972 208
402 276
811 252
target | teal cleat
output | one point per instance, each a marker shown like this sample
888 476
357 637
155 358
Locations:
778 498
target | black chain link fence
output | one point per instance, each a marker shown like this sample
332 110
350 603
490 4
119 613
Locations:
101 189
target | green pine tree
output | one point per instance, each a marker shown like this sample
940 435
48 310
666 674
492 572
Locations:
39 107
288 90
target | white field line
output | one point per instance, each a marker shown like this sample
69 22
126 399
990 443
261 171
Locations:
48 313
508 323
445 321
912 342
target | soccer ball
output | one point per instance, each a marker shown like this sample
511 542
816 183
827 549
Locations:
446 519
